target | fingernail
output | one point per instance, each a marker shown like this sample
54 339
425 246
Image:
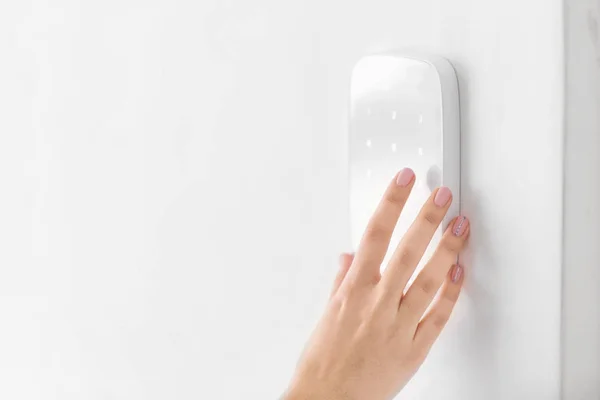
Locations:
405 177
456 274
442 196
460 226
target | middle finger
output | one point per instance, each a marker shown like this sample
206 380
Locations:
411 248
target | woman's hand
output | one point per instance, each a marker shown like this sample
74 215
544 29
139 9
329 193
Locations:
373 338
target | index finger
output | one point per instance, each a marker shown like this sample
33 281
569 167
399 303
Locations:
411 248
376 238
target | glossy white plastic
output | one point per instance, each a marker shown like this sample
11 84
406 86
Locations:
404 112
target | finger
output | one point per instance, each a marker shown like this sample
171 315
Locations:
407 255
424 288
376 239
431 326
344 265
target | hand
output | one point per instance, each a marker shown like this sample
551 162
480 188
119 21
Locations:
372 338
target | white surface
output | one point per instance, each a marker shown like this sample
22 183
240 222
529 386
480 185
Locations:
174 191
404 112
581 308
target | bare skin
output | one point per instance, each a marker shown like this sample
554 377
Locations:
372 337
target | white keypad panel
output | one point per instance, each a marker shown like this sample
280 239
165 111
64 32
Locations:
395 122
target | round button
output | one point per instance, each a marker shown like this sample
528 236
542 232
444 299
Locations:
434 177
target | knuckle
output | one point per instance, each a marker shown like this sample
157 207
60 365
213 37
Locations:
450 297
430 218
406 257
451 245
375 233
439 320
426 285
396 197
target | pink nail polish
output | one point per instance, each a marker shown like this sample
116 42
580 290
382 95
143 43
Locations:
442 197
456 274
405 177
460 226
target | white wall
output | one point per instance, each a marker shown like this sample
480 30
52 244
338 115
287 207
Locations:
174 191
